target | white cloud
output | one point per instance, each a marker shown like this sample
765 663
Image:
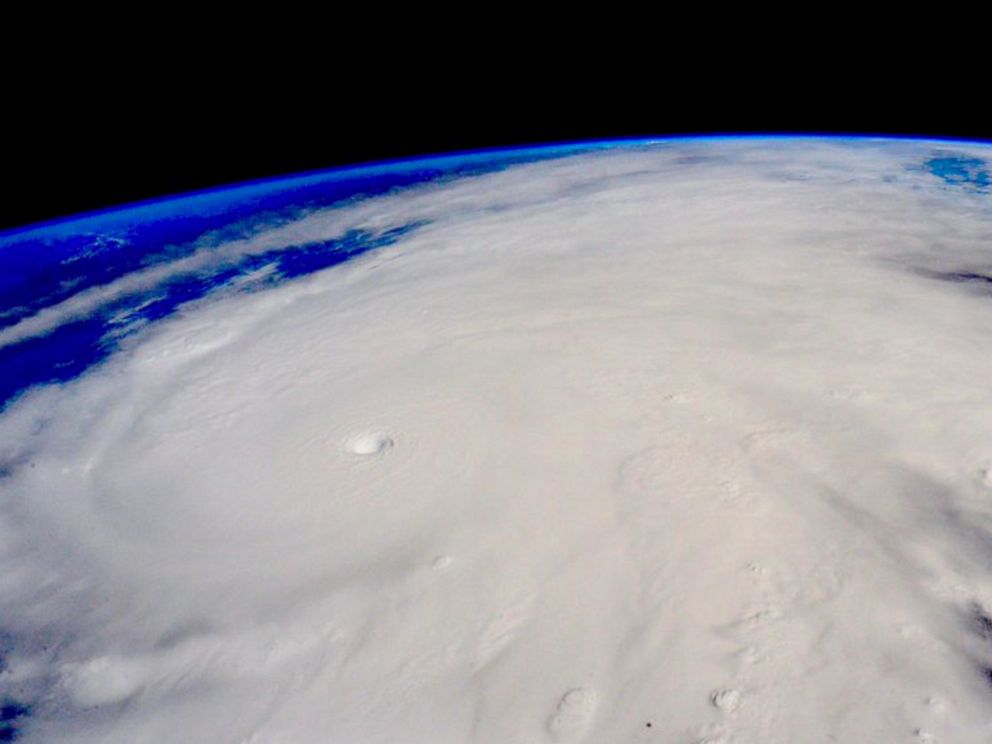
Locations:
678 435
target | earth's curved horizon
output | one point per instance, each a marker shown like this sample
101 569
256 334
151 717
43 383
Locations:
545 148
673 439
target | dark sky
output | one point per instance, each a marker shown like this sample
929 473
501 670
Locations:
94 140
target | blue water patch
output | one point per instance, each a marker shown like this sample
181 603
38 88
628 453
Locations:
60 356
310 257
12 717
73 347
968 173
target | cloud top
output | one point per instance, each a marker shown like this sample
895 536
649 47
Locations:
693 434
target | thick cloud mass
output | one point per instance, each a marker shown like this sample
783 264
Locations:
687 442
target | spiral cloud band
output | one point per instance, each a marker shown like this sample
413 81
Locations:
680 441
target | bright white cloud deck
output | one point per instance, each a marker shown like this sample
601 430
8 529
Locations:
658 444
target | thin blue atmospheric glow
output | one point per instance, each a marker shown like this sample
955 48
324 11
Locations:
218 198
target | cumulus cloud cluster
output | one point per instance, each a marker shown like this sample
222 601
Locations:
676 442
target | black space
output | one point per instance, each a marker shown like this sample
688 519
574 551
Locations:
96 140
